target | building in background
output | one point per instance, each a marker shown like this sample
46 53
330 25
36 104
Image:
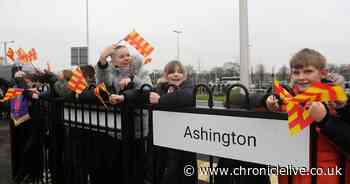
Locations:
79 56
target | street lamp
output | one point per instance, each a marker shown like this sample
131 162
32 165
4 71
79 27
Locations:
5 48
244 42
178 43
87 30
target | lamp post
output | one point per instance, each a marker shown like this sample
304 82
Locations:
87 30
244 43
178 43
5 48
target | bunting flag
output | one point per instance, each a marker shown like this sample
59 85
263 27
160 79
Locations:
22 56
298 116
102 93
12 93
32 55
77 83
10 54
19 110
140 44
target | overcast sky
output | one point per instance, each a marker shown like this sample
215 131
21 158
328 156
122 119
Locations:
277 28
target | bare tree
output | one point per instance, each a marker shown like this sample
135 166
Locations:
333 68
283 73
344 70
230 69
216 73
260 73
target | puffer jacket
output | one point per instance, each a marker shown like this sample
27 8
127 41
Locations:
111 75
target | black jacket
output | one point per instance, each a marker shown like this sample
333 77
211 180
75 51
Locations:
337 128
181 97
169 162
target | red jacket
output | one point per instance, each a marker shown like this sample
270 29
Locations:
327 157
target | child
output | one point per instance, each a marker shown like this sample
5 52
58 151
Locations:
121 72
61 85
124 76
174 90
307 67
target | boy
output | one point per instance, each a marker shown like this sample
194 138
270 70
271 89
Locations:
309 66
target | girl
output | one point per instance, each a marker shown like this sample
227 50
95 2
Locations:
173 90
122 72
123 76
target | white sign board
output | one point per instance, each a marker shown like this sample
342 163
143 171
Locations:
264 141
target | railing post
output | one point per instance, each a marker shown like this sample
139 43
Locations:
210 100
210 105
228 92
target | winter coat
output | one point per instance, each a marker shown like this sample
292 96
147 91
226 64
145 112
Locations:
170 162
111 75
62 90
181 97
332 137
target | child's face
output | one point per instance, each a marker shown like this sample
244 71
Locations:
177 77
121 58
61 76
307 75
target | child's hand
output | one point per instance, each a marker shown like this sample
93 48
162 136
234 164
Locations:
35 96
106 53
317 110
153 98
124 82
272 103
35 93
115 99
49 66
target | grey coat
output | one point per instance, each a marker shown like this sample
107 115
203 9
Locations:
111 75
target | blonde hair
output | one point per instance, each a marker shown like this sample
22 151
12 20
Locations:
117 48
308 57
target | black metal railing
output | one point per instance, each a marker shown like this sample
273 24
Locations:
70 141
